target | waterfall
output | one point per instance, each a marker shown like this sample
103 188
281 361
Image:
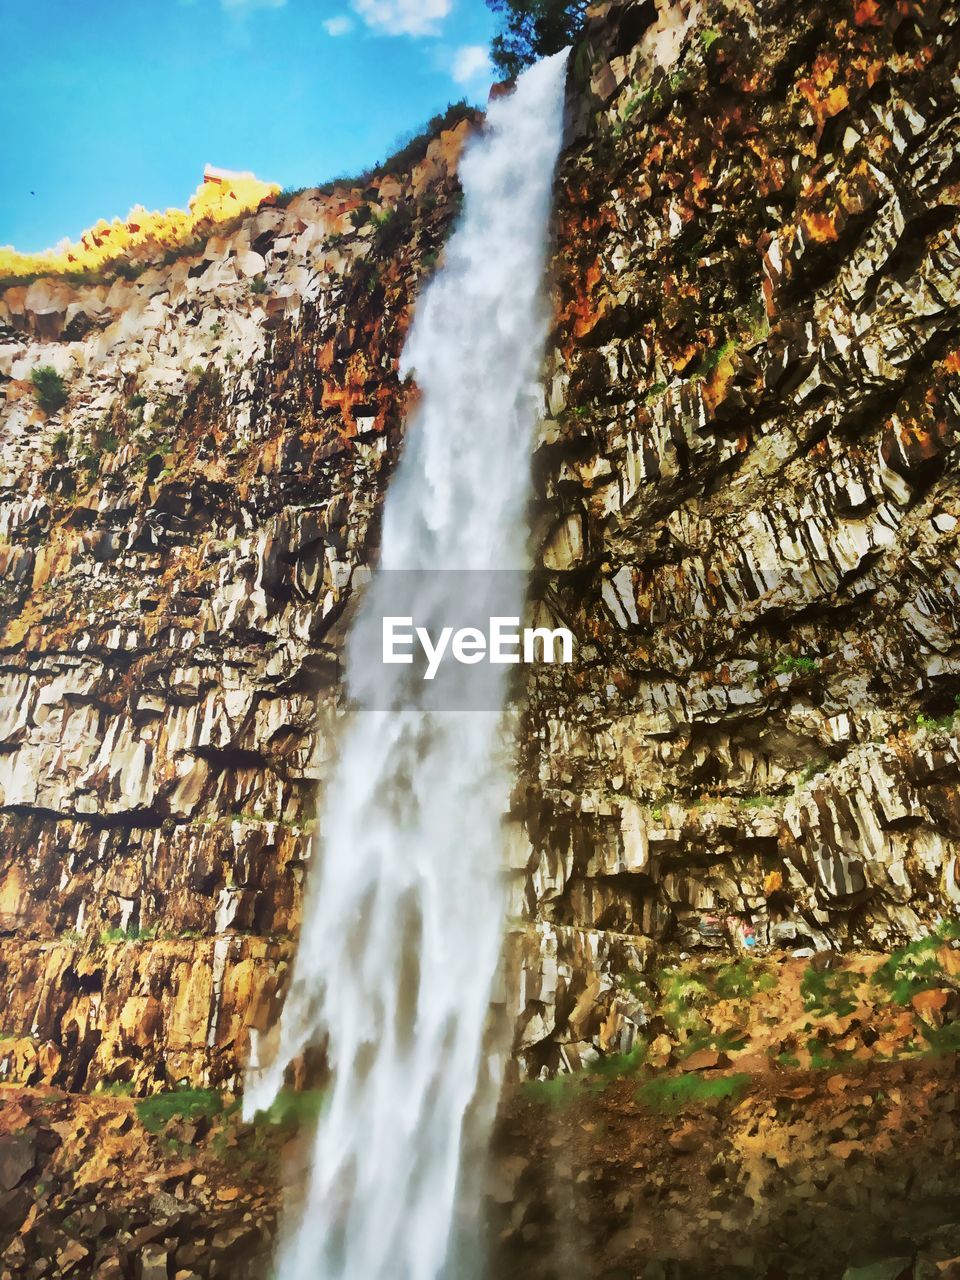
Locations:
404 917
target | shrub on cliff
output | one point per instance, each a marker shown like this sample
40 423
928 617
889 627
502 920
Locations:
533 29
49 387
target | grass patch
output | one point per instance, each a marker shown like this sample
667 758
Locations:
915 967
157 1111
829 992
113 936
681 996
294 1109
796 666
740 979
670 1094
560 1090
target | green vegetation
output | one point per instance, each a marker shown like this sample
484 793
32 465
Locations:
710 360
810 771
681 996
532 29
829 991
50 388
758 802
789 665
936 724
740 979
157 1111
670 1094
133 934
294 1109
115 1089
709 38
258 287
916 967
410 150
563 1088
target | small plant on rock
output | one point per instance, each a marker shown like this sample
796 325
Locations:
796 666
50 388
829 992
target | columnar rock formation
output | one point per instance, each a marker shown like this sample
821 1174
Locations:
179 544
748 499
746 509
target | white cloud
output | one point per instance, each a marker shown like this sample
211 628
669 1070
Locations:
471 62
403 17
341 26
248 6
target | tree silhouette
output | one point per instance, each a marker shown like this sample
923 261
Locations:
533 29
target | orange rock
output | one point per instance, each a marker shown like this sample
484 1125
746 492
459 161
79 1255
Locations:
930 1004
820 227
773 883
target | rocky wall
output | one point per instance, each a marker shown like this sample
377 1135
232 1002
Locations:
179 544
747 503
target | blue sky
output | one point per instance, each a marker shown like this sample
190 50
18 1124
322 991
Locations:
111 103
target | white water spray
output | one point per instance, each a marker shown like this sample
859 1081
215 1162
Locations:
403 924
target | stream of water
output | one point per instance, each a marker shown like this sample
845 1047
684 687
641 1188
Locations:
404 916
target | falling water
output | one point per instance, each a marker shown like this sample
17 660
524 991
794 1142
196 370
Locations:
404 919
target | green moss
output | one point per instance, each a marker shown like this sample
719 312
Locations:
128 935
115 1089
740 979
681 995
294 1109
796 666
562 1089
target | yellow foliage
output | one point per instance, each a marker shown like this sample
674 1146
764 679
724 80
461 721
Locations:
143 236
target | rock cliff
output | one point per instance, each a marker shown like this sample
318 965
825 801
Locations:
746 508
179 542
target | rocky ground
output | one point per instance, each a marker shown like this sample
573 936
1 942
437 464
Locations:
780 1117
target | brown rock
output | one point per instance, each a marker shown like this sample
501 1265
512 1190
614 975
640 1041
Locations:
18 1156
686 1139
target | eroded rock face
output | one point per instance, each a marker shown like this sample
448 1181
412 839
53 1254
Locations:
745 508
179 547
747 503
